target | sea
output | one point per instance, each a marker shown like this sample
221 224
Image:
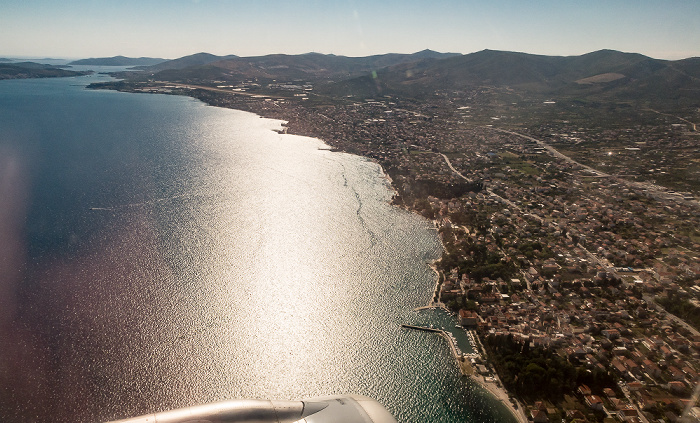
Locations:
160 253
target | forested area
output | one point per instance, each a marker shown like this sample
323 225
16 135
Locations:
538 372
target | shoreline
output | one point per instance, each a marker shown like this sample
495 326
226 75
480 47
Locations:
294 127
435 298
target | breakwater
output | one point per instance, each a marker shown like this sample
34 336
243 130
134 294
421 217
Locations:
463 363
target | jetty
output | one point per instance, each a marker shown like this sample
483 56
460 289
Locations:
431 307
423 328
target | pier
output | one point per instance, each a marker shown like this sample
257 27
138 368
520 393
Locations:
423 328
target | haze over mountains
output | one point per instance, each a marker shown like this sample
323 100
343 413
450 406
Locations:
310 66
118 61
604 74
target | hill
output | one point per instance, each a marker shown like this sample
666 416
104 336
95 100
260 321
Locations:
197 59
24 70
310 66
118 61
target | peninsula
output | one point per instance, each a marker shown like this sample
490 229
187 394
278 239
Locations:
564 189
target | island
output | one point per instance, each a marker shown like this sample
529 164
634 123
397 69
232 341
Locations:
23 70
564 189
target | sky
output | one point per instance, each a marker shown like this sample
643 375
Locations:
663 29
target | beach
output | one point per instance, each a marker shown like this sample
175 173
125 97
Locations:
495 388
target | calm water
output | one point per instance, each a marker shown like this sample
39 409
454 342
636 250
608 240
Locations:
160 253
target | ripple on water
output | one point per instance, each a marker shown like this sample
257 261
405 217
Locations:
180 254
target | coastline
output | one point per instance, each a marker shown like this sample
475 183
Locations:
435 298
295 126
495 387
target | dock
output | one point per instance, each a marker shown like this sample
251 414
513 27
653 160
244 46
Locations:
422 328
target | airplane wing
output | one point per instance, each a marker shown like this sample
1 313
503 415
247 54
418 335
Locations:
334 409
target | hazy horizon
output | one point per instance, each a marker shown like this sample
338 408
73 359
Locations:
172 29
67 59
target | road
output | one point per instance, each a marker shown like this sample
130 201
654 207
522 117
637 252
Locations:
626 391
449 164
695 129
553 151
650 300
656 191
214 89
490 193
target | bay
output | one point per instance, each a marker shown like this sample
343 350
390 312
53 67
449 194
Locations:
161 253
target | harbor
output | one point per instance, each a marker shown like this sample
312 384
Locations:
463 359
466 350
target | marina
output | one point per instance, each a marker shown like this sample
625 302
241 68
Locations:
463 363
465 349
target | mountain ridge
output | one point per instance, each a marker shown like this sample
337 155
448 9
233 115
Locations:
183 62
603 75
316 66
534 75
